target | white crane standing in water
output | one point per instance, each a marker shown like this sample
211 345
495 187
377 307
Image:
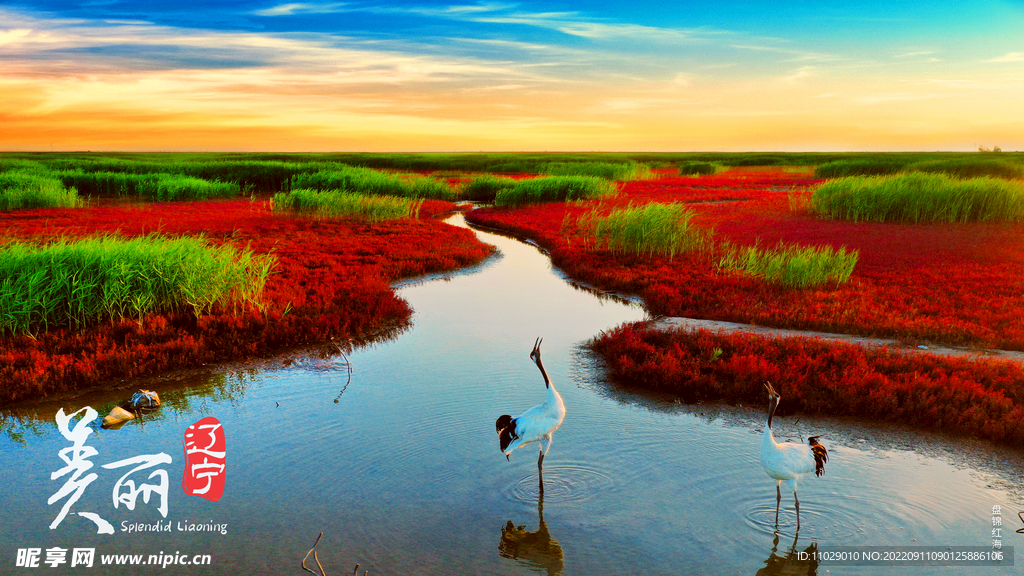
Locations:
789 462
537 423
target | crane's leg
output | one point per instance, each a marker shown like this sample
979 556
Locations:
543 450
778 501
797 500
540 498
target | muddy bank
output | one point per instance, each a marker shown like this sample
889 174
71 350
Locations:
671 323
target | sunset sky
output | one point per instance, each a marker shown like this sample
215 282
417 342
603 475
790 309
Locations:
645 75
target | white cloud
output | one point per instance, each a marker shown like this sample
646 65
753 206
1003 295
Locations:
1009 57
803 72
15 36
301 8
683 79
914 54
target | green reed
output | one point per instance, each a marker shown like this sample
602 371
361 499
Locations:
158 186
35 189
862 167
70 284
791 265
649 230
919 197
555 189
341 204
621 171
485 188
972 167
375 182
962 166
699 168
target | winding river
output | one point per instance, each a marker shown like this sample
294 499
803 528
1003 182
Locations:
399 466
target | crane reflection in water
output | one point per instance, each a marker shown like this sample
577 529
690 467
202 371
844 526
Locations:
792 562
533 549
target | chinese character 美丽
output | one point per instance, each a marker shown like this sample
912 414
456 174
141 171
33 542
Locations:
125 490
77 463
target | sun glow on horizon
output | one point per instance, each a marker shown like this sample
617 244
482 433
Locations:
500 77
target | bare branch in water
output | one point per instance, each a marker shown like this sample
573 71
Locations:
315 557
348 365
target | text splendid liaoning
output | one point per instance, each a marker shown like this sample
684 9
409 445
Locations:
172 526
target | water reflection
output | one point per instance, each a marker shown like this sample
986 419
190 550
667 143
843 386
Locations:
191 391
533 549
792 562
183 394
17 426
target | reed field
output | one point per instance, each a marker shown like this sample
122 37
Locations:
864 167
653 229
245 172
699 168
368 181
274 172
555 189
976 167
347 204
76 283
159 187
621 171
485 188
960 166
21 189
919 197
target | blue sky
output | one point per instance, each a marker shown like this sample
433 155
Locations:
641 75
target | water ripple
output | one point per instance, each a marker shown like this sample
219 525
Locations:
573 482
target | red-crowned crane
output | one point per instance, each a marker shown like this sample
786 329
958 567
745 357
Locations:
536 424
789 462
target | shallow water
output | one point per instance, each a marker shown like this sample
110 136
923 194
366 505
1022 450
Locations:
402 473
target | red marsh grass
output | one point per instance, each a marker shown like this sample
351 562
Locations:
979 398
